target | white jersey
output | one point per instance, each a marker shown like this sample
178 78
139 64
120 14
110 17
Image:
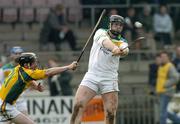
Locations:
101 61
1 76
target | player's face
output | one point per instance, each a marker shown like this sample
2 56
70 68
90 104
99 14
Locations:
34 65
117 26
163 10
14 56
164 58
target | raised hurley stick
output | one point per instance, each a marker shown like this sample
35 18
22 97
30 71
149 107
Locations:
99 20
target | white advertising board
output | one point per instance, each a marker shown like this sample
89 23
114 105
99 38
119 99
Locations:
50 110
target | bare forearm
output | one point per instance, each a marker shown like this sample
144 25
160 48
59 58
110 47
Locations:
56 70
116 51
108 44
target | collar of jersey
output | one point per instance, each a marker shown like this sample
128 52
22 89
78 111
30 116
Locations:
116 39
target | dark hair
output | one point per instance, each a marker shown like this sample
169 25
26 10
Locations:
26 58
163 5
164 52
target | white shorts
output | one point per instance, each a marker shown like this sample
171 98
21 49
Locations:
99 84
9 112
21 104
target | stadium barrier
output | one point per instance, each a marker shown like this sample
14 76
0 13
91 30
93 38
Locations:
137 109
140 109
50 110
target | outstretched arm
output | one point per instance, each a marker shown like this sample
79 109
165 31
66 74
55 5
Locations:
57 70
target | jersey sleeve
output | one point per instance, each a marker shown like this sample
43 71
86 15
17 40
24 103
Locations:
38 74
100 36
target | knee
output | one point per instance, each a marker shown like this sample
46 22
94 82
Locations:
77 109
111 112
78 106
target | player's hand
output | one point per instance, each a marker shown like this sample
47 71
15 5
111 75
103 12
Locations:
73 65
117 51
125 51
40 87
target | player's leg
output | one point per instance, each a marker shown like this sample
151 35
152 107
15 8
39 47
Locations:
110 101
22 119
82 97
11 112
21 106
12 122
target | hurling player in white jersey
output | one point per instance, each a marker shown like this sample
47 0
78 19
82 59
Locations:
102 75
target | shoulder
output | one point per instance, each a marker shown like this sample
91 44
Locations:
172 68
24 70
101 31
7 66
32 73
170 65
156 16
168 17
37 70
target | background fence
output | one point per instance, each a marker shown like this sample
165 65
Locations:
137 109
